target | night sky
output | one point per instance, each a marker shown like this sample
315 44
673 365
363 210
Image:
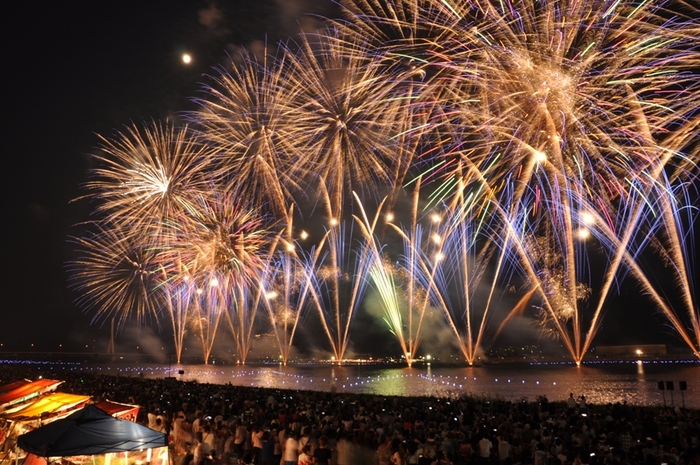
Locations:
73 70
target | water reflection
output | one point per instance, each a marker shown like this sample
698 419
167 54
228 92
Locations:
633 382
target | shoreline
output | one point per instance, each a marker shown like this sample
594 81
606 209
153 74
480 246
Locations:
19 358
28 369
76 379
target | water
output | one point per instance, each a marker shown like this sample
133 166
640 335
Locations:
633 382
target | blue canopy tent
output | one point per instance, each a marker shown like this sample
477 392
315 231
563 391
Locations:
90 431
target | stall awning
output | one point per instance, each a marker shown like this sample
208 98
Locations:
119 410
90 431
25 391
14 385
49 405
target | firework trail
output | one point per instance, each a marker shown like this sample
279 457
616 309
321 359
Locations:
467 252
338 285
552 258
286 283
678 238
242 308
420 258
667 231
337 280
209 305
404 288
178 295
286 291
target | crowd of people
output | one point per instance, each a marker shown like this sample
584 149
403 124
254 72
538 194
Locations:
211 424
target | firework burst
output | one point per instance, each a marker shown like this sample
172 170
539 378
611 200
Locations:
347 113
116 272
220 235
241 116
147 175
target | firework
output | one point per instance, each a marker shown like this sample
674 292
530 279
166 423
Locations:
221 244
178 306
402 33
116 273
145 176
210 303
595 90
557 139
468 252
347 112
337 280
287 285
413 277
220 235
570 104
186 305
668 234
241 117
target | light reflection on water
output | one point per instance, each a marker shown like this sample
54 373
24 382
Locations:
631 382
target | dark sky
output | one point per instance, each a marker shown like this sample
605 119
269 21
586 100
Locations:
73 70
